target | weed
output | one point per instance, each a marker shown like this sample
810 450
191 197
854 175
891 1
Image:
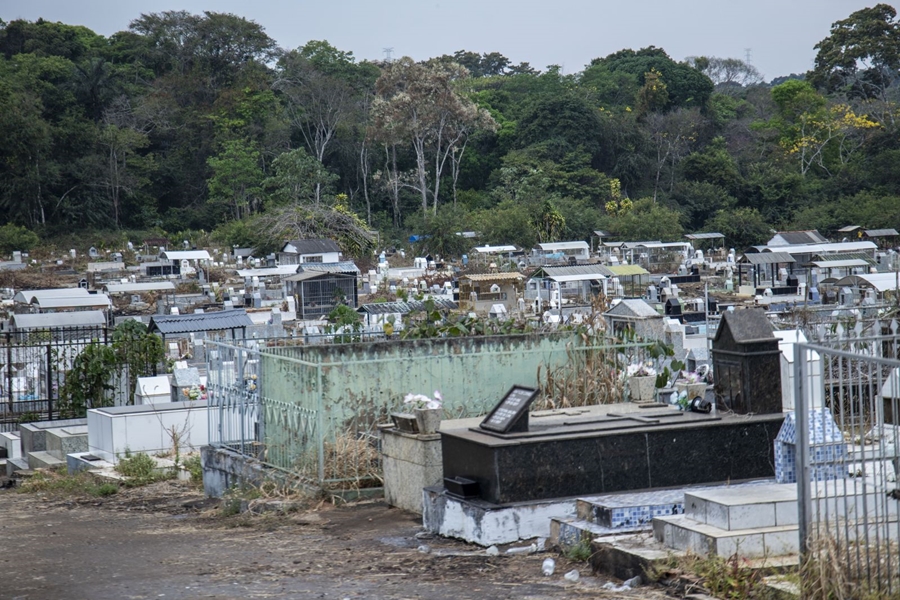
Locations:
59 482
140 469
107 489
231 506
29 417
730 578
580 551
195 467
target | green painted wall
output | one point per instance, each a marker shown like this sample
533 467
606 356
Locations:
362 383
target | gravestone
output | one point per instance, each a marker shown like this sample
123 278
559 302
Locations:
747 363
511 413
184 379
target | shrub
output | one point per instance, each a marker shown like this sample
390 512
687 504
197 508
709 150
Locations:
141 469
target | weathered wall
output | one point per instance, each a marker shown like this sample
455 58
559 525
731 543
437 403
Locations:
224 469
359 384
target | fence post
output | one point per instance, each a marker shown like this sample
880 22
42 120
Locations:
801 413
244 396
320 422
49 382
9 392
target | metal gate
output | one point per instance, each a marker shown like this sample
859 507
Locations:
34 364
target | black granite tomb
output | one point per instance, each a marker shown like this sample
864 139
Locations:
747 363
610 448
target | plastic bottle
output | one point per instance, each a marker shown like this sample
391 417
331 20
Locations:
572 575
548 567
523 549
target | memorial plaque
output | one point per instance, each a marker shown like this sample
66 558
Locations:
511 413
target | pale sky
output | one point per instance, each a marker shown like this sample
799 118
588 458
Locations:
779 34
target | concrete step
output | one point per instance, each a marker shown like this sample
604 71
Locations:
42 459
15 464
630 510
775 505
568 533
680 532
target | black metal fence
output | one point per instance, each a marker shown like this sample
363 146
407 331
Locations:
33 364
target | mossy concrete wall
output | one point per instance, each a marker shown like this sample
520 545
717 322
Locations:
354 386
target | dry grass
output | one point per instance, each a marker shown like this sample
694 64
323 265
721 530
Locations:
589 377
854 572
351 462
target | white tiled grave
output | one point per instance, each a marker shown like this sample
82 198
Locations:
762 520
625 512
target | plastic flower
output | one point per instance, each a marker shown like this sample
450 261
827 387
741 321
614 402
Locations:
640 370
422 401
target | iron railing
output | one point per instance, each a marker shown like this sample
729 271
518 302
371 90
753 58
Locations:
846 392
33 365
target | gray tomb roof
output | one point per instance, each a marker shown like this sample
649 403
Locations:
746 326
213 321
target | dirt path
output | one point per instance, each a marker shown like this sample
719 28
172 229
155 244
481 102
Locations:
167 542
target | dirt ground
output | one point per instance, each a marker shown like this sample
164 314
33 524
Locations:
168 541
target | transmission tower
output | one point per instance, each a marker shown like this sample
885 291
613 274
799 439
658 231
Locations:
747 54
387 53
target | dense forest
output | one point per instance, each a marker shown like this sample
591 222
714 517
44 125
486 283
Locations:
187 123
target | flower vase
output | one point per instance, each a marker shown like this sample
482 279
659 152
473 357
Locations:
691 389
643 388
428 419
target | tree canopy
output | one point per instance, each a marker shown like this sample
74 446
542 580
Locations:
200 121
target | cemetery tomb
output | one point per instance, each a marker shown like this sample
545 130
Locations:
600 449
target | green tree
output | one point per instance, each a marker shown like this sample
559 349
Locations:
647 220
89 381
742 227
686 86
561 125
235 185
697 200
714 165
298 179
14 237
861 57
138 352
653 95
549 223
509 222
441 232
